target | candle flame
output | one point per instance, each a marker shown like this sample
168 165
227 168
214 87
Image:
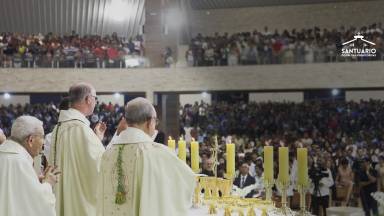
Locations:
282 144
300 145
268 142
229 140
193 139
181 138
170 138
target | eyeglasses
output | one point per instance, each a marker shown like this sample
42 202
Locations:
94 97
41 136
156 119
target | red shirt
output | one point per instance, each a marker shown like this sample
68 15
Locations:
112 53
277 46
99 53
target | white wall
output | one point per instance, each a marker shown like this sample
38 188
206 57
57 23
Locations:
364 95
192 98
15 99
297 97
111 98
196 79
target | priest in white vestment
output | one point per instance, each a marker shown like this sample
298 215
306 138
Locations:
140 177
77 150
2 137
21 193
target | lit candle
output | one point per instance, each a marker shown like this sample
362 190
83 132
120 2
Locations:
171 143
283 164
195 156
268 163
182 150
302 166
230 160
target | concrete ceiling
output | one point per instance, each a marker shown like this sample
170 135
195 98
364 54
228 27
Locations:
125 17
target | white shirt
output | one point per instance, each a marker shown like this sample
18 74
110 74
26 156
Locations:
21 192
252 169
259 185
324 185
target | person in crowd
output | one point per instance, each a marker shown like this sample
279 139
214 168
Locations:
244 179
344 180
380 170
368 184
321 183
207 168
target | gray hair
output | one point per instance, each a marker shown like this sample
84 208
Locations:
25 126
79 91
139 110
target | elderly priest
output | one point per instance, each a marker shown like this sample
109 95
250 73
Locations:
21 192
140 177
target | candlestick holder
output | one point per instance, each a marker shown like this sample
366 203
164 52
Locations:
227 211
212 208
196 197
303 188
268 185
284 209
251 211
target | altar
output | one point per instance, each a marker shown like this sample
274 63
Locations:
217 196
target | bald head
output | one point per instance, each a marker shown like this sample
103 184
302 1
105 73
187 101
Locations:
138 111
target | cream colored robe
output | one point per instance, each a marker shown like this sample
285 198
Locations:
156 182
78 153
21 193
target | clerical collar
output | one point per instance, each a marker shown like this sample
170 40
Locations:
132 135
11 146
71 114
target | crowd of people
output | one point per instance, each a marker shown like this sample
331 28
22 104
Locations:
71 50
266 46
109 113
345 140
307 45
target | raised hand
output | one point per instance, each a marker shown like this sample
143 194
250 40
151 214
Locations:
50 175
100 129
121 126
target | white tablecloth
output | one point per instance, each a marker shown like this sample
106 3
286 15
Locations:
344 211
203 211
